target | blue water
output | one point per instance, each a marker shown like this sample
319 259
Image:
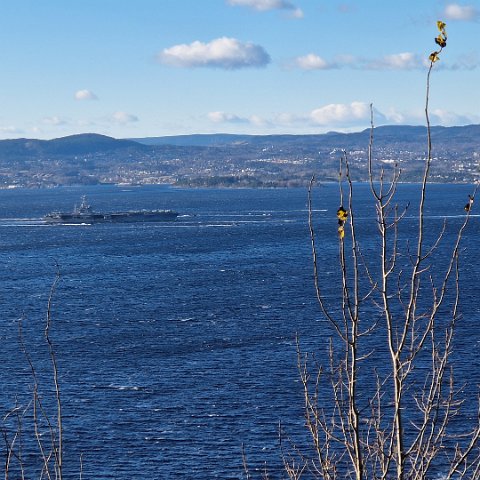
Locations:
176 341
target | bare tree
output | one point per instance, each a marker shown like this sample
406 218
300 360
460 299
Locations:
47 429
393 320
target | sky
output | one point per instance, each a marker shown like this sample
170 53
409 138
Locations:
147 68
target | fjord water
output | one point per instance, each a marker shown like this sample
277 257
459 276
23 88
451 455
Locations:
176 341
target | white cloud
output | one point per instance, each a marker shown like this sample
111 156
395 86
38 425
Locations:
454 11
123 118
397 61
339 117
257 120
394 116
266 5
342 114
223 117
85 95
437 116
228 53
313 62
448 118
331 116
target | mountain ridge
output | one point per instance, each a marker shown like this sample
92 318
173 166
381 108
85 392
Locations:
238 160
380 133
69 145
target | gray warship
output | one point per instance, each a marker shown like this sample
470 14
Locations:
84 214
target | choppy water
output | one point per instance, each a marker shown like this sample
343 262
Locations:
176 341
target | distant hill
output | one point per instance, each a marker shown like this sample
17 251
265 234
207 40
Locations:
237 160
404 134
88 143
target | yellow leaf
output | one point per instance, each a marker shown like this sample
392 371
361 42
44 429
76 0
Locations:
434 57
342 214
441 40
441 25
341 232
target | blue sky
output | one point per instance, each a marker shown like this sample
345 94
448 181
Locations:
139 68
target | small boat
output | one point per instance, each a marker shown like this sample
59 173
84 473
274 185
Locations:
85 214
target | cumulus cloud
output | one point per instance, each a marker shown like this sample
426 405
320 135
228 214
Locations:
437 116
448 118
341 114
85 95
265 5
342 117
224 117
123 118
394 116
313 62
397 61
454 11
227 53
332 116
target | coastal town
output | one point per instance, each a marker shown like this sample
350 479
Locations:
238 161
